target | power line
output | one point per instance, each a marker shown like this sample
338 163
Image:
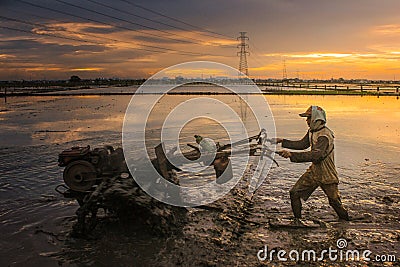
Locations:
152 20
256 53
159 49
176 20
96 21
74 39
108 24
113 25
46 34
255 47
127 21
92 35
50 28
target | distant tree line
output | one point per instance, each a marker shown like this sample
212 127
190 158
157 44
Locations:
73 81
76 81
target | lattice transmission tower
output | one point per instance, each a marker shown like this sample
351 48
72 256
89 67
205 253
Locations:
284 72
243 53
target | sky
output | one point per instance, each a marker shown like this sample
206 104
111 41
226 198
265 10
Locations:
311 39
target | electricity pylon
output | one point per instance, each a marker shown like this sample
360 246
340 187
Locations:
243 53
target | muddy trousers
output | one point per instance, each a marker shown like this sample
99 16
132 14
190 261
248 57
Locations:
303 189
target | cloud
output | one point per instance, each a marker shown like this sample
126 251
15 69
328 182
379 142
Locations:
388 29
87 69
312 35
319 55
100 30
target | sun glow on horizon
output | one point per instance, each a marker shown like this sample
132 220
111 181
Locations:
114 50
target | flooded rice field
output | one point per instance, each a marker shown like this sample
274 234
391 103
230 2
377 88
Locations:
36 221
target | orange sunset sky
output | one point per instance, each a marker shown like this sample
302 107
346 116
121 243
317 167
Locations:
54 39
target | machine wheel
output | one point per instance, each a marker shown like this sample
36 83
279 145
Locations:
80 175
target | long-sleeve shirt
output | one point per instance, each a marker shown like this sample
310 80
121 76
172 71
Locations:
321 154
317 153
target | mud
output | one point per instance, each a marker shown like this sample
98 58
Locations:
234 234
36 223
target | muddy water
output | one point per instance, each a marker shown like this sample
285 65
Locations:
36 221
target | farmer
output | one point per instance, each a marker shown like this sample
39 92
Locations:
322 171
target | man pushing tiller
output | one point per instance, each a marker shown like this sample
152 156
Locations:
322 171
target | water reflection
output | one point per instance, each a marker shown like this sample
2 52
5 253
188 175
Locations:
35 129
353 118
